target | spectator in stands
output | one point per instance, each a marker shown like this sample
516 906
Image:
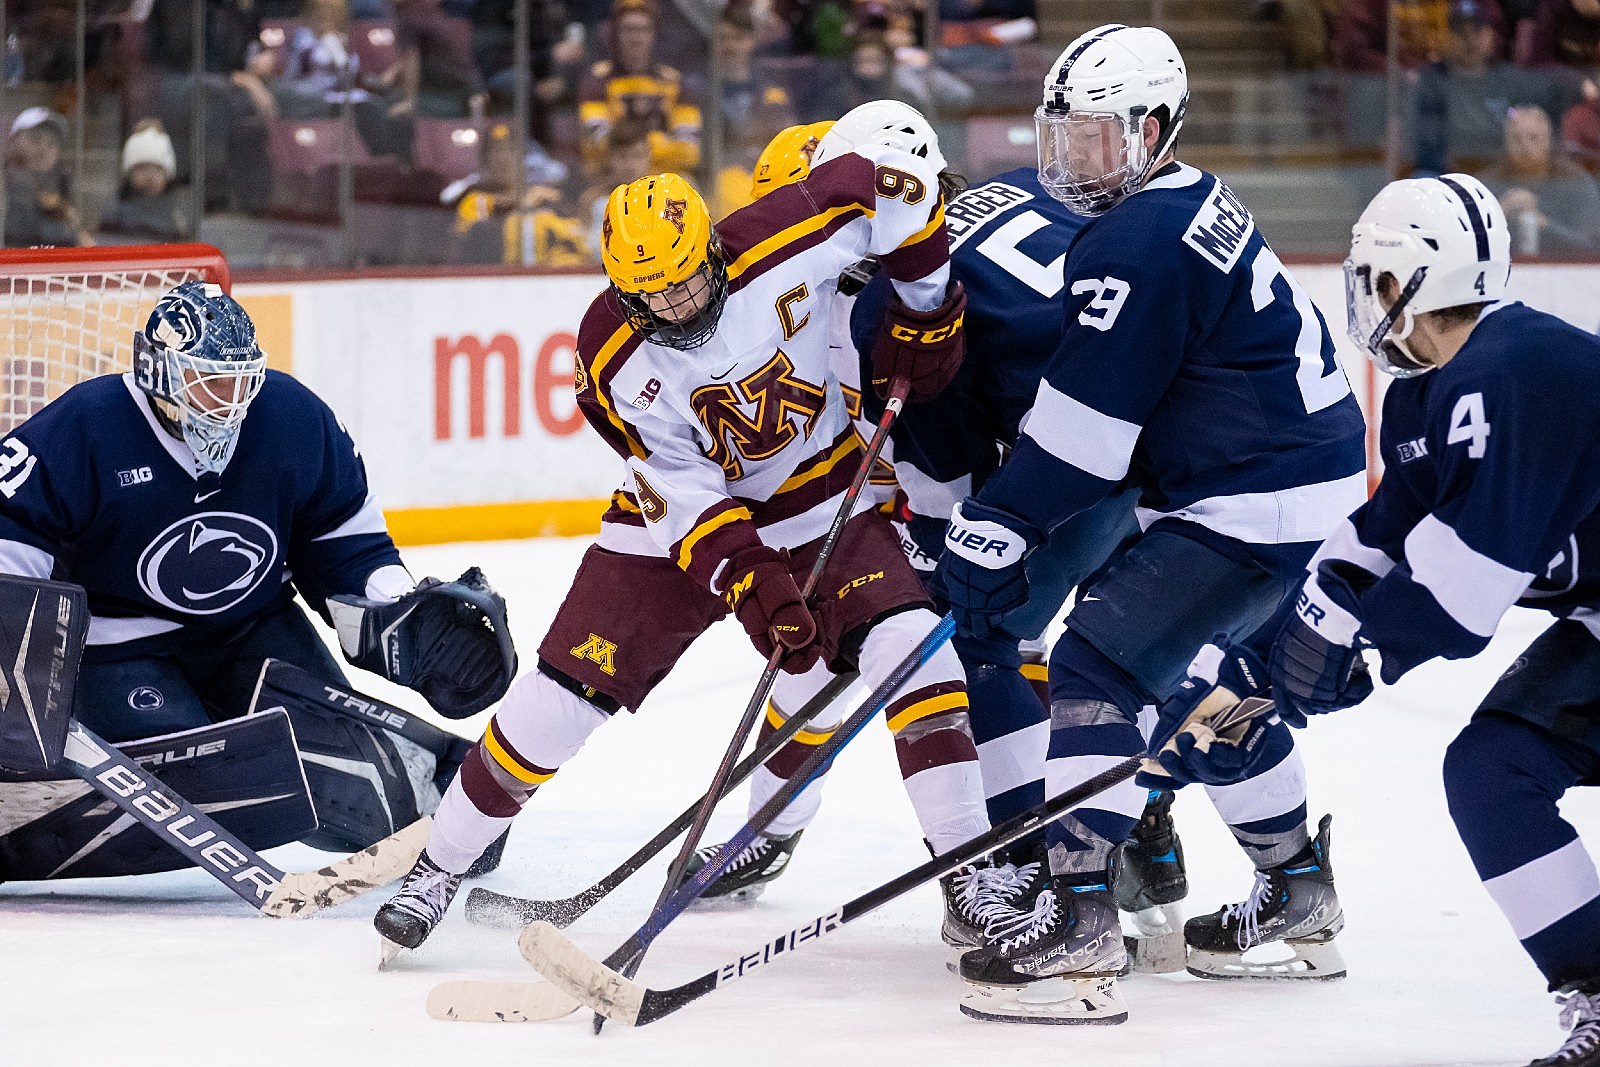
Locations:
39 207
1461 100
744 89
870 75
436 75
632 83
627 158
555 56
1361 34
494 225
1551 203
1580 129
147 206
1566 33
319 70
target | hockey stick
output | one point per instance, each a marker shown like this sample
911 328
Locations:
536 1001
284 680
504 912
207 845
616 996
898 391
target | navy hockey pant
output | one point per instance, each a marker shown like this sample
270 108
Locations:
1503 776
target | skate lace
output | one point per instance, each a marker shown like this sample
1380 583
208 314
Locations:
1581 1012
1017 929
752 852
1247 913
985 893
426 894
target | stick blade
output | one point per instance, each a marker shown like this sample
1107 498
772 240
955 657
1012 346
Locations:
499 1002
552 954
302 894
498 911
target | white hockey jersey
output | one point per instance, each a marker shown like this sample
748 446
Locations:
750 431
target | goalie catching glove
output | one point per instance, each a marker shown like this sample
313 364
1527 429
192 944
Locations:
447 640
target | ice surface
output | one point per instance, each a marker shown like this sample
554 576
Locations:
173 970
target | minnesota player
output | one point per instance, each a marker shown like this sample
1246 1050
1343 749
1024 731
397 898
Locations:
1193 367
705 365
1492 473
191 499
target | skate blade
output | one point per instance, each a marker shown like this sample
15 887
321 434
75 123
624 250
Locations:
1312 960
953 954
388 952
734 901
1049 1002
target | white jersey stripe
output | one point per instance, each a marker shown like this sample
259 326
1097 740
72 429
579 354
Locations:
1546 890
1472 588
1344 543
1076 433
369 520
25 560
1286 516
108 631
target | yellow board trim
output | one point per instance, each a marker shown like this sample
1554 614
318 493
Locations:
1035 672
509 764
495 522
805 737
923 708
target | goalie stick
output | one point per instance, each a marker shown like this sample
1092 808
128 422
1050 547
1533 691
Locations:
276 893
504 912
535 1001
899 389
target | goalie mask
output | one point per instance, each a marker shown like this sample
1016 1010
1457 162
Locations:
664 261
197 358
1092 151
1445 242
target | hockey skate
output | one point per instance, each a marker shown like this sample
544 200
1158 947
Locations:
1148 879
1580 1012
746 877
1054 963
411 914
1294 905
975 895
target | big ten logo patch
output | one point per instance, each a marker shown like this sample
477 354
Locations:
473 377
599 651
648 394
777 397
136 476
857 583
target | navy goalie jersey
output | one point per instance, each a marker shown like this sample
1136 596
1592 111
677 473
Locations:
1008 243
94 491
1490 492
1191 363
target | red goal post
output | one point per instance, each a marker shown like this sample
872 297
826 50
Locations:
67 314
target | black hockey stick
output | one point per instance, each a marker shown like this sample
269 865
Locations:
280 680
616 996
899 389
220 854
534 1001
502 911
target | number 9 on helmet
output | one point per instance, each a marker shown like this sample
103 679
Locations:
198 361
663 260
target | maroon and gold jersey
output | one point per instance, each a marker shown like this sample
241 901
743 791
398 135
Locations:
655 97
751 429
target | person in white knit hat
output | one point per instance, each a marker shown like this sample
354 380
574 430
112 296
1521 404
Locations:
147 206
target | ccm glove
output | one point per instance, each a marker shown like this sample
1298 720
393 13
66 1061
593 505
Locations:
1187 746
1316 662
924 347
758 587
981 570
447 640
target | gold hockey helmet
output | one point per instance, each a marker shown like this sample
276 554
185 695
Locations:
787 157
663 260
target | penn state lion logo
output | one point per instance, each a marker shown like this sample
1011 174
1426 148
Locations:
208 563
674 211
179 327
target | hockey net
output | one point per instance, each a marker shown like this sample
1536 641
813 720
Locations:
67 314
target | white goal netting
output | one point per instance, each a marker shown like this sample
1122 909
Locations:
70 314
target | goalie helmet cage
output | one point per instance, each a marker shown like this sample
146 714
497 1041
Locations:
68 314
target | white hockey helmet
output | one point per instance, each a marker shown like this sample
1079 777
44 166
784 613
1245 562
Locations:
1091 124
1446 243
885 122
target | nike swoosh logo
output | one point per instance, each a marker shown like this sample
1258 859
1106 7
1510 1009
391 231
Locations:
724 374
198 497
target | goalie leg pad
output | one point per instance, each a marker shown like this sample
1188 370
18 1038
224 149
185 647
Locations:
42 628
244 773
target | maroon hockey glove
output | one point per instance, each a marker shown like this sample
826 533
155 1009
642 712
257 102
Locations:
925 347
758 587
